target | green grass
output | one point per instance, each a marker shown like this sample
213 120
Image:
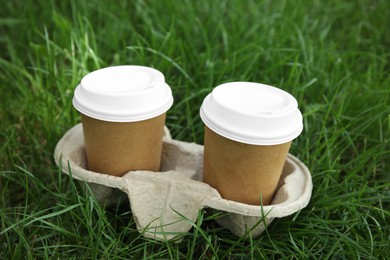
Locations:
333 56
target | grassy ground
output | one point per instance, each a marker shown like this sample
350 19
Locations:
333 56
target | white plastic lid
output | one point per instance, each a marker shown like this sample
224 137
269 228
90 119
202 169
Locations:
252 113
123 94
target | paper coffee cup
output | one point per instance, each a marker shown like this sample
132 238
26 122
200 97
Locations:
249 129
123 115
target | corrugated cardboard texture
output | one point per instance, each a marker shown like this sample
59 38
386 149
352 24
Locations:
243 172
164 203
115 148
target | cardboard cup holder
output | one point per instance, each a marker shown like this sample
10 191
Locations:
163 202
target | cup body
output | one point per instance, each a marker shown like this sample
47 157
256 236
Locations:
248 132
115 148
242 172
123 111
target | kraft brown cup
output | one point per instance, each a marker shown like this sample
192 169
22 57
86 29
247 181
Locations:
117 147
249 128
243 172
123 112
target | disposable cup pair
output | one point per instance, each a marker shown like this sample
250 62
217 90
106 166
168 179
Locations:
123 115
248 133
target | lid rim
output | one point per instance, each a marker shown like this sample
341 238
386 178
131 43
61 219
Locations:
111 117
95 109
